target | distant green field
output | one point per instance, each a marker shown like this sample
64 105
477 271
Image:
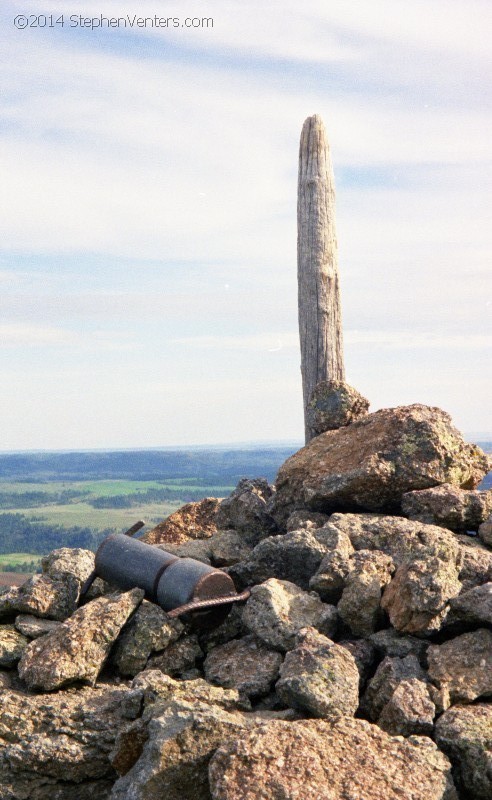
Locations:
13 559
84 515
49 514
109 488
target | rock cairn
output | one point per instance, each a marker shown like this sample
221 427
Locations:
360 666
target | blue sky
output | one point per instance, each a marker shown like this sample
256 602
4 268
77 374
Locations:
148 224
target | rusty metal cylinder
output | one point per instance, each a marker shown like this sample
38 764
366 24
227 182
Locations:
166 579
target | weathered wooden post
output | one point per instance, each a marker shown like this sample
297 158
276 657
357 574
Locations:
320 317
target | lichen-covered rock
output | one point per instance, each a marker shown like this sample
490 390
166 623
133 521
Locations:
485 531
243 664
371 463
476 567
246 509
334 404
459 510
152 688
303 519
416 599
178 657
473 607
464 733
191 521
293 557
409 711
360 604
12 645
389 674
67 563
402 539
389 642
32 627
55 593
319 676
330 579
277 610
462 667
57 746
175 756
149 630
327 760
77 650
41 596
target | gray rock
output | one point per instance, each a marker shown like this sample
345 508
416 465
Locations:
330 579
149 630
360 604
227 548
389 674
5 680
154 690
303 519
371 463
231 628
32 627
277 610
334 404
462 667
476 561
243 664
410 710
473 607
464 733
12 645
175 756
178 657
394 644
459 510
319 677
416 599
363 652
78 649
485 531
57 746
246 510
199 549
329 760
402 539
293 557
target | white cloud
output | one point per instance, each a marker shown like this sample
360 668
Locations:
31 335
416 340
117 149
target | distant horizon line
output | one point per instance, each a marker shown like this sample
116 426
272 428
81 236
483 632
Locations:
249 445
473 438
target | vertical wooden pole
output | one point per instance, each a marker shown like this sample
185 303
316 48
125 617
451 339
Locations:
320 317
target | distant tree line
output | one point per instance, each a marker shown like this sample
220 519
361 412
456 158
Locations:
184 495
35 498
19 534
216 466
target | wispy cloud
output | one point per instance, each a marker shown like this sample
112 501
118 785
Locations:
148 206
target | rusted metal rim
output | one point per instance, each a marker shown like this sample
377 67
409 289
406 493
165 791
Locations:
197 605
